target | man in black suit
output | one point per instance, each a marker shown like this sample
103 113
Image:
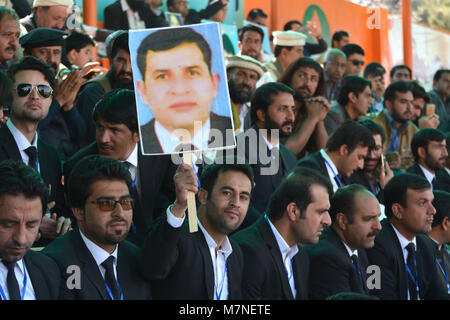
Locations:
275 267
33 81
118 138
339 261
24 273
180 95
272 114
117 16
440 234
204 264
406 257
344 153
430 155
99 193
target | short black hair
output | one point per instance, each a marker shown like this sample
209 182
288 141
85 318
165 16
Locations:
287 74
77 41
351 83
288 25
338 35
250 27
346 134
374 128
352 48
16 178
262 97
255 13
391 91
418 91
167 39
344 201
89 170
374 69
31 63
120 42
422 138
210 173
296 187
118 106
400 66
441 203
395 190
6 87
438 74
277 49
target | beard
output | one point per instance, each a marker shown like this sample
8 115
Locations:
434 164
238 95
272 125
117 83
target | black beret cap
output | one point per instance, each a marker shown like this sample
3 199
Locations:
43 37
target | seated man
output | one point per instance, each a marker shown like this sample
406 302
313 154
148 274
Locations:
79 48
374 72
355 59
99 193
9 42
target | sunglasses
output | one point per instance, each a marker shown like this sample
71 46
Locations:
110 205
24 90
357 62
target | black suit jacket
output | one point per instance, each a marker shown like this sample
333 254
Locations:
70 249
359 177
442 177
157 188
44 275
387 254
117 19
178 264
332 270
265 276
150 140
439 283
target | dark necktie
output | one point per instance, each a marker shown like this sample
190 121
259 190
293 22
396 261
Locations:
11 281
32 156
355 262
433 183
411 262
110 279
338 179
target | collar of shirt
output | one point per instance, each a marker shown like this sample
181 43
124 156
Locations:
404 242
99 254
393 124
21 141
134 20
225 247
427 174
19 272
169 141
133 157
330 169
437 243
447 169
270 145
245 107
285 250
349 251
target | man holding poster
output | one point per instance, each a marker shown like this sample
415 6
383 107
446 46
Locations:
181 89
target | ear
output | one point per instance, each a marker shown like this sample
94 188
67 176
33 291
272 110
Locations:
135 136
292 212
397 211
422 152
71 55
445 224
341 221
216 80
78 213
388 104
352 97
343 150
202 196
142 91
261 115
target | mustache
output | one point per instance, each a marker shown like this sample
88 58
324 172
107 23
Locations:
15 245
116 221
125 73
287 123
373 233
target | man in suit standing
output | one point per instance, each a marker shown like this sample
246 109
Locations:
339 261
24 273
440 234
205 264
344 153
33 81
274 265
180 95
99 193
118 138
406 257
430 154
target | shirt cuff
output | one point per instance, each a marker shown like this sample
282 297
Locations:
173 221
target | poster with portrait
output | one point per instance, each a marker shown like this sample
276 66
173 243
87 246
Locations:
174 19
181 89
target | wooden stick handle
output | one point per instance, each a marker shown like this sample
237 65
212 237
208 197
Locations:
192 208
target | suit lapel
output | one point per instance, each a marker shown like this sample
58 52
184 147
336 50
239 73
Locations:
124 263
9 144
37 280
207 263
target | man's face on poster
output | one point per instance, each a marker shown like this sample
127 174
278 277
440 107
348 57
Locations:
178 86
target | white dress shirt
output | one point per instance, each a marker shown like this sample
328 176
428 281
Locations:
20 269
134 20
287 254
133 167
219 258
428 175
330 168
22 142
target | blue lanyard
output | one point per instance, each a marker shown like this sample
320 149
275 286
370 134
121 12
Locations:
109 290
374 191
334 173
196 173
444 273
218 295
416 282
24 289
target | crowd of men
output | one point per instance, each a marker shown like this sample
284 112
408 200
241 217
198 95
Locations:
342 192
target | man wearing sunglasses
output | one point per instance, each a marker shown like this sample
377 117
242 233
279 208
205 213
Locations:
355 59
33 81
99 193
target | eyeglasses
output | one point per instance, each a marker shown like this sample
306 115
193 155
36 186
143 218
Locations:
24 90
357 62
110 204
